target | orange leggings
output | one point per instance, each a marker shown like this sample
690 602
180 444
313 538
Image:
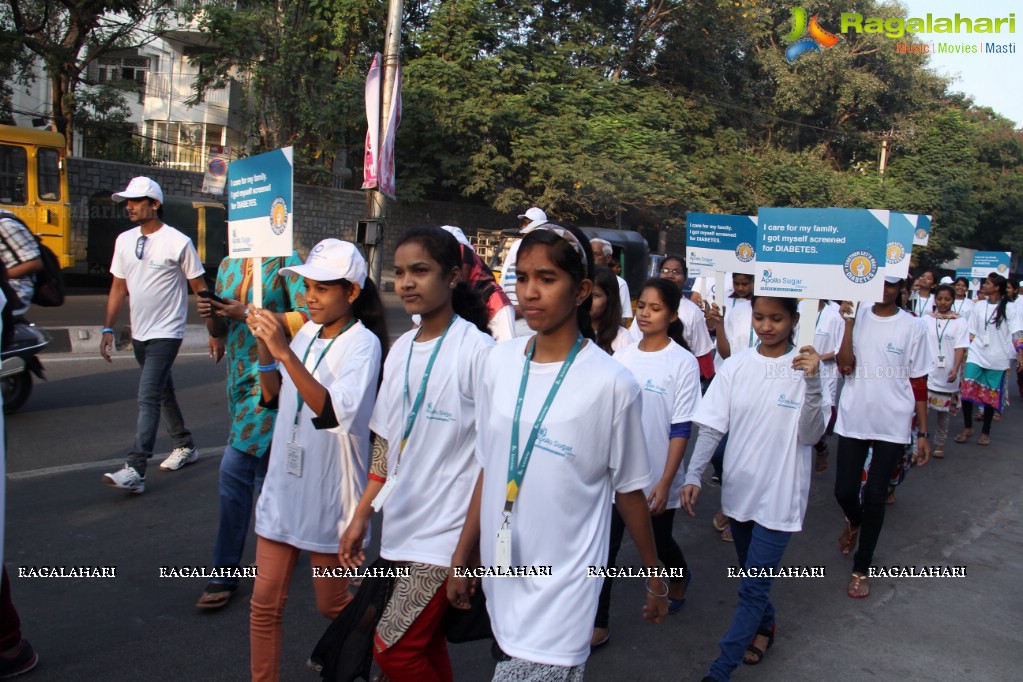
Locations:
276 562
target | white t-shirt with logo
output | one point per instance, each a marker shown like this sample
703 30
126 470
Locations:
766 472
827 339
590 446
694 328
921 306
306 511
963 308
877 400
953 334
670 379
157 282
992 344
424 514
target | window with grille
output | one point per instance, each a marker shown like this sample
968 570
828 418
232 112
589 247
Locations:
13 175
48 173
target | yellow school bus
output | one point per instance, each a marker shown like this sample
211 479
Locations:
33 185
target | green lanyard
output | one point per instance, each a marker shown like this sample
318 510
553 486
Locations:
301 402
987 314
517 473
940 332
418 402
961 304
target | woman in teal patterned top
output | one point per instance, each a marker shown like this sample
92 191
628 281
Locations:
243 466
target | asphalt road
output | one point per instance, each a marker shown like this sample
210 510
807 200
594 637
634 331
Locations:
962 511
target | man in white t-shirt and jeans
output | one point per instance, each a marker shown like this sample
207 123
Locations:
152 263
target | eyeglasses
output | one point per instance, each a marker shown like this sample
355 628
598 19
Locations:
672 271
140 247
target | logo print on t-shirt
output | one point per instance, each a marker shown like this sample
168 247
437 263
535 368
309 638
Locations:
653 388
552 446
892 349
438 415
786 402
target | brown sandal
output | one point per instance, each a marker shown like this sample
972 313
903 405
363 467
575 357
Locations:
964 436
858 587
215 596
720 521
847 540
984 439
939 453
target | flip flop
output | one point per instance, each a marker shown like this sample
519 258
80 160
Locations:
963 437
602 642
847 540
675 605
939 453
858 587
215 596
720 521
726 534
984 440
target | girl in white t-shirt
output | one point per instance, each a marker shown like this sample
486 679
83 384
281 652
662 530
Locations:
559 432
921 302
963 304
423 468
606 311
768 400
323 386
949 337
885 359
997 332
670 378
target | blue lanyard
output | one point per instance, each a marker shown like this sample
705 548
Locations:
418 402
517 467
301 402
940 332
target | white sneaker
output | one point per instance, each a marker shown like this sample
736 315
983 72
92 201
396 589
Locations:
179 458
126 478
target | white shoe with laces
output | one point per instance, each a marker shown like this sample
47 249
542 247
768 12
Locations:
126 478
179 457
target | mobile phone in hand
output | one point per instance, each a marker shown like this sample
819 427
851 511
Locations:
206 293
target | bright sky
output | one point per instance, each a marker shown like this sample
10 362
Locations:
993 80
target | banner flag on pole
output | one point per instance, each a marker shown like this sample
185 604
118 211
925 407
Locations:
370 165
386 157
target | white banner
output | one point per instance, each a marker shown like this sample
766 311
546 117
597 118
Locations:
370 165
386 160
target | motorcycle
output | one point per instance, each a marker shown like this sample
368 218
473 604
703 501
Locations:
19 362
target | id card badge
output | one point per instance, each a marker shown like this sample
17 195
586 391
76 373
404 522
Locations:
941 362
294 459
503 553
985 339
384 493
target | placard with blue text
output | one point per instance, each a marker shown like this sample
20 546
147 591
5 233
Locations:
986 262
260 210
721 243
834 253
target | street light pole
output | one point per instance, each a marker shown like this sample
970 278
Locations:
378 202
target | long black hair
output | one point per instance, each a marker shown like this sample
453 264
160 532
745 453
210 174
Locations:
611 319
442 247
670 297
564 255
369 309
791 306
1003 301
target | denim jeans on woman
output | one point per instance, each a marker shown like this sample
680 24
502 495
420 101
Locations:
241 479
756 547
156 396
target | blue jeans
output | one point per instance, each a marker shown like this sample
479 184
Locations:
241 479
757 547
156 395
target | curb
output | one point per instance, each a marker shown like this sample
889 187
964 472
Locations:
86 339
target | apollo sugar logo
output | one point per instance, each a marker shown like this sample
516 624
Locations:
818 38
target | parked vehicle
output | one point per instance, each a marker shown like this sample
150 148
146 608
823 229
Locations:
20 362
34 186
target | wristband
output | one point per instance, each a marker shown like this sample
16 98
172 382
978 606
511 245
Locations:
108 330
272 367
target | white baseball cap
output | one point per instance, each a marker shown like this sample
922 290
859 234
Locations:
458 234
536 218
332 259
946 280
139 188
890 279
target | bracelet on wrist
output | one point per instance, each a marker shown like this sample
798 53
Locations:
659 596
272 367
108 330
922 434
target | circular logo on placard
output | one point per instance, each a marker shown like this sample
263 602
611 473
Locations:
278 215
217 167
744 252
1002 267
860 267
921 233
895 253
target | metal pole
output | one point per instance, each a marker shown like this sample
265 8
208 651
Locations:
392 42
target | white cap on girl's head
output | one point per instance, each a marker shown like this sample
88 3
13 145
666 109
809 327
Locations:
332 259
946 280
890 279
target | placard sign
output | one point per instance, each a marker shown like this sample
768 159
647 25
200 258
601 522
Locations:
986 262
721 243
901 231
923 229
834 253
260 210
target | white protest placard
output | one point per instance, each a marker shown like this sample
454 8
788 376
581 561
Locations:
721 243
922 234
986 262
901 231
260 209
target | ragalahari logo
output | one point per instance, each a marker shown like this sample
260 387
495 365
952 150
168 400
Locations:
818 36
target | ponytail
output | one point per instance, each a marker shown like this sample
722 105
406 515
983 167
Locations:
369 309
1003 300
468 305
